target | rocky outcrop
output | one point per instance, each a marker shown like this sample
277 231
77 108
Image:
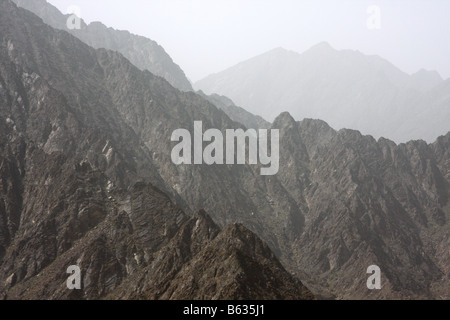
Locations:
236 113
367 202
86 177
144 53
202 262
79 186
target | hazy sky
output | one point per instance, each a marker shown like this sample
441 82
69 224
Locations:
207 36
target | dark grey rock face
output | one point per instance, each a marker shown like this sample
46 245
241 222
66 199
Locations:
86 177
144 53
202 262
368 202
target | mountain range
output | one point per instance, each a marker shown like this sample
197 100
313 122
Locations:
79 186
345 88
87 179
144 53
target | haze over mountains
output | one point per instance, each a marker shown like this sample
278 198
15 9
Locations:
86 178
345 88
144 53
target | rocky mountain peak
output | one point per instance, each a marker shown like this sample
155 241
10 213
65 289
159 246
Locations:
144 53
346 88
86 179
322 47
284 120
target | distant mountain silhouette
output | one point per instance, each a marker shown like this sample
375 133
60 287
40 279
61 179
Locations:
345 88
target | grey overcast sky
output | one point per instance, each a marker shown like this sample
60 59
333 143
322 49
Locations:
207 36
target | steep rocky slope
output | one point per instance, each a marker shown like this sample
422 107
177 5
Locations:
144 53
84 130
202 262
78 186
368 202
236 113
